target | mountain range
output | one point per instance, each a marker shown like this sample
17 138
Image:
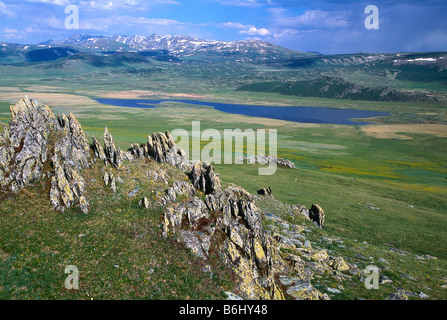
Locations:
311 73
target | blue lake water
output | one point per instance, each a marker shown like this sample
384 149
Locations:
296 114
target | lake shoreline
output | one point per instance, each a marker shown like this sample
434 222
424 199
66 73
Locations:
303 114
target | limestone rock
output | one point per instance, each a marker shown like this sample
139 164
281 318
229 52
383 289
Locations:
340 264
106 178
236 233
179 188
138 151
303 290
73 145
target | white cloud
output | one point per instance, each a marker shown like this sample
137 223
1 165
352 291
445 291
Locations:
233 25
253 31
5 10
245 3
12 33
55 2
245 29
312 18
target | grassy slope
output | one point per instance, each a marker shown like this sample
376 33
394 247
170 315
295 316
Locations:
405 179
117 247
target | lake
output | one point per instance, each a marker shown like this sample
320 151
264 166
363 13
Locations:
296 114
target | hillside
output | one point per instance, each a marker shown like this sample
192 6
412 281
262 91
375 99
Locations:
333 88
169 62
148 224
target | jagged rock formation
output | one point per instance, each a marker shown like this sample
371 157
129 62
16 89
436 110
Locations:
272 258
38 143
228 221
204 178
113 155
98 150
162 148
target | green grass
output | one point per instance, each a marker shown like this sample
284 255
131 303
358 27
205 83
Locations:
340 167
346 202
117 247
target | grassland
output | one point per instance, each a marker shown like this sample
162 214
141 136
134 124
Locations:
397 166
117 247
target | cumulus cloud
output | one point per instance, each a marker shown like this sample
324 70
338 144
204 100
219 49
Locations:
233 25
246 29
253 31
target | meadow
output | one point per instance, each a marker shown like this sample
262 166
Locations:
383 184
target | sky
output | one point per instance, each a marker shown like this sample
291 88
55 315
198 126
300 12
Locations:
325 26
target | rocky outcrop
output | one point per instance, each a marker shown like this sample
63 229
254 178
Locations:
204 178
263 159
162 148
229 222
67 187
98 150
113 154
38 143
110 154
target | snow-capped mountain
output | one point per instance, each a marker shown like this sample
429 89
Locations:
181 45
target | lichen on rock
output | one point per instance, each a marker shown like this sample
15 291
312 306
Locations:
36 143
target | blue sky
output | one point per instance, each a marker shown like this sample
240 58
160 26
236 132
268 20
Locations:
320 25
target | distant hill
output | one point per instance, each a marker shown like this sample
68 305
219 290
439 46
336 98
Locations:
49 54
333 88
